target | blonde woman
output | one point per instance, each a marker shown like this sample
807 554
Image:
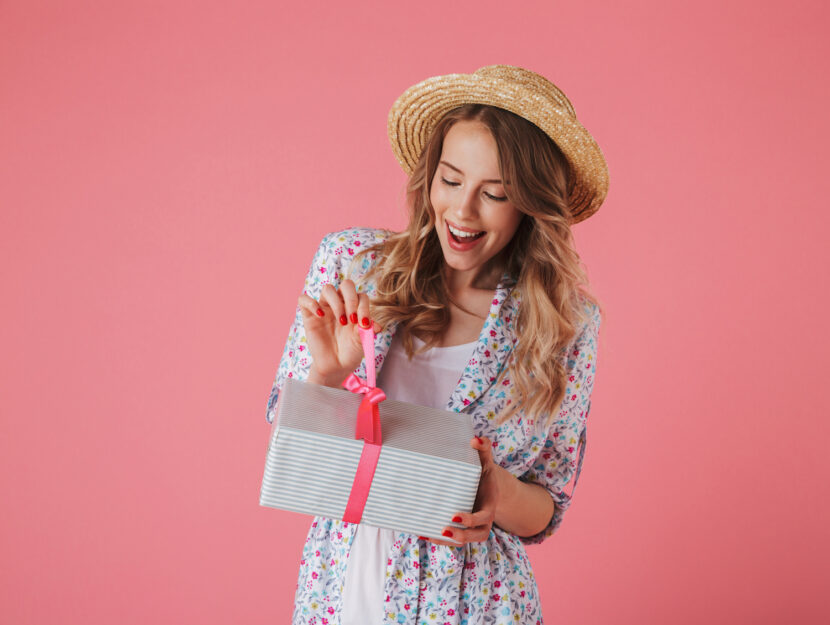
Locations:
479 306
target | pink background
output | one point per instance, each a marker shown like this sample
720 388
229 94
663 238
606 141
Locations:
166 172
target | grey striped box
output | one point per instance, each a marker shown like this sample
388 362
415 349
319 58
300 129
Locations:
426 472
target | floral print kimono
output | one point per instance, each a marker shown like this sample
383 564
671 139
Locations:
490 582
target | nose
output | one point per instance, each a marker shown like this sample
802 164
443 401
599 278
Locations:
467 207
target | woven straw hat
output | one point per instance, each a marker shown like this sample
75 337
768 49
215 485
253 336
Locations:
520 91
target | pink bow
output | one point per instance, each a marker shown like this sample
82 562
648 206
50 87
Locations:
368 418
356 384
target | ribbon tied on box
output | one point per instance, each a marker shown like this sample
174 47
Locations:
367 428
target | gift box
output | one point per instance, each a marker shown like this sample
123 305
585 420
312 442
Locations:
403 467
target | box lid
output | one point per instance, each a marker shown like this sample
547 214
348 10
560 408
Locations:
418 429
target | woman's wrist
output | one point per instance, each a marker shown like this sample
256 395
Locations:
334 380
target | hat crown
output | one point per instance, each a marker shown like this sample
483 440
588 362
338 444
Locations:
529 80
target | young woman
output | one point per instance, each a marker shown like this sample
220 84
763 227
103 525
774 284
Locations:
479 306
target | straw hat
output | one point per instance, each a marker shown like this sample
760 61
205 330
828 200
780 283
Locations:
520 91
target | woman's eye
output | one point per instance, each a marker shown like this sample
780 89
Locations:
496 197
448 183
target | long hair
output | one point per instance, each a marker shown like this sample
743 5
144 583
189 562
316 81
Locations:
540 259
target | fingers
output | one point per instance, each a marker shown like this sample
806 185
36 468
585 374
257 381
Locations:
476 525
484 447
466 535
349 293
479 518
438 541
363 310
331 298
358 306
345 305
441 542
309 307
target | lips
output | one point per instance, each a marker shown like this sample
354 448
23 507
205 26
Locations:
464 234
465 241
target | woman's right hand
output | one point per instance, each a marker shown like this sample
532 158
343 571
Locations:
332 331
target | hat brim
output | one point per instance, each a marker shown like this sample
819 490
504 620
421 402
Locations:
417 111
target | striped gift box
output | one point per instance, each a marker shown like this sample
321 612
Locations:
426 472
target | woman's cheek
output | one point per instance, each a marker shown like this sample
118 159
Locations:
436 201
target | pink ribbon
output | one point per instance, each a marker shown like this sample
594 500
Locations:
367 428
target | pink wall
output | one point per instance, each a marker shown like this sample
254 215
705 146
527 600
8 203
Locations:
166 171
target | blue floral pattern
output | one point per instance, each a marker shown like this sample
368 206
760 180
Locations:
490 582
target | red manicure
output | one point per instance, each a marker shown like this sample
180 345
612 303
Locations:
447 533
423 538
353 317
456 519
365 322
479 440
343 320
320 312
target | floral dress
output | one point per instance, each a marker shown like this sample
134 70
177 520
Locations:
490 582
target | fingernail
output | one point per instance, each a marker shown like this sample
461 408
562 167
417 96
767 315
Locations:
447 533
479 440
353 317
423 538
365 322
343 320
320 312
456 519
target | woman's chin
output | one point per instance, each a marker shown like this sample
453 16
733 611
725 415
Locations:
460 261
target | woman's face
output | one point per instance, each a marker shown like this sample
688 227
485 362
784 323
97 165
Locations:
473 217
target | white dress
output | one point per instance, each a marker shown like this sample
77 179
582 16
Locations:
427 380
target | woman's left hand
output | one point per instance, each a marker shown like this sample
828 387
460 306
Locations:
477 524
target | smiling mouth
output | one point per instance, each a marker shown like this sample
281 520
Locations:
463 236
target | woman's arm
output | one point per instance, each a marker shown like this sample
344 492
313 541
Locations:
518 507
523 508
532 507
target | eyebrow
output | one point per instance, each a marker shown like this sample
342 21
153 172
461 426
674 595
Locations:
494 180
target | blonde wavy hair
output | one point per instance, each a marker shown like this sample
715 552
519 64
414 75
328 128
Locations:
540 260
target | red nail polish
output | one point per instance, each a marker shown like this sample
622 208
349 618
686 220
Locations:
423 538
353 317
320 312
479 440
447 533
343 320
456 519
365 322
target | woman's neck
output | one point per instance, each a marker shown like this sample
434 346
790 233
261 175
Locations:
461 283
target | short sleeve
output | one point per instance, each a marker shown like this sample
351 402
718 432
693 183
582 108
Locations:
559 461
296 361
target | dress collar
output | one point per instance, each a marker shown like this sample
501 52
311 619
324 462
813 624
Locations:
494 344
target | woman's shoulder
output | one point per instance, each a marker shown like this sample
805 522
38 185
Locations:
353 240
587 315
339 254
586 339
591 315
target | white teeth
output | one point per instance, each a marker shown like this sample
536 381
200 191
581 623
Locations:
463 235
